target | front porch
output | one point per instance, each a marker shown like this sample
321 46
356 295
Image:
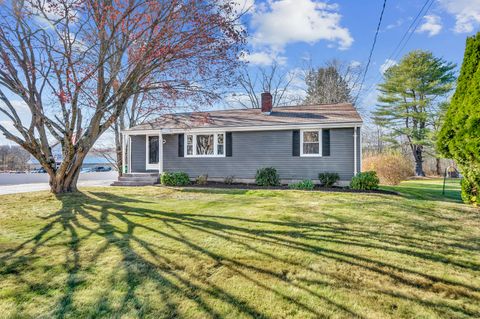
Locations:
142 153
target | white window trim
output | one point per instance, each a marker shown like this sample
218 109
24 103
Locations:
215 144
148 165
319 142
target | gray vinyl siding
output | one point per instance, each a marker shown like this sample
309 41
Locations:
253 150
139 148
138 153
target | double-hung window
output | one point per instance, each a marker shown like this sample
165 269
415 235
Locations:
311 143
205 145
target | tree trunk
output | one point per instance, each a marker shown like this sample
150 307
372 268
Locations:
418 155
118 151
438 167
67 182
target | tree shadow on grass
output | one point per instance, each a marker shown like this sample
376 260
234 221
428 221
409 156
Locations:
123 223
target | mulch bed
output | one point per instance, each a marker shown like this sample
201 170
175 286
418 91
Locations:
317 188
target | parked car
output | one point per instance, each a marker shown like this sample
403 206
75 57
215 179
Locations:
101 169
38 170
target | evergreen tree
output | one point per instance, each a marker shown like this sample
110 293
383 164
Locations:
459 137
332 83
408 97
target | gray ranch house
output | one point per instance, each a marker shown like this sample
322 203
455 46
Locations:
299 141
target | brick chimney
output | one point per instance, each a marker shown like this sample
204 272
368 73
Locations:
266 98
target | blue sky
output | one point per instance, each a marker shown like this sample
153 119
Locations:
292 30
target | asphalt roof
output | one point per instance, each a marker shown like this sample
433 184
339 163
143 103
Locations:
284 115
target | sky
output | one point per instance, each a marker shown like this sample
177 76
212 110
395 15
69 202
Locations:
290 31
293 31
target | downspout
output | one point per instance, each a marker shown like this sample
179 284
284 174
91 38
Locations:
361 149
355 171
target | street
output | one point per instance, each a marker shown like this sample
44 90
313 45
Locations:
21 183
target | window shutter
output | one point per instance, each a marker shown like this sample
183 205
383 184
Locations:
181 140
325 142
228 146
296 143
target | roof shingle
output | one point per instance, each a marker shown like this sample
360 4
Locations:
286 115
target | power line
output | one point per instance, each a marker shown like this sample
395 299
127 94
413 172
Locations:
409 32
371 50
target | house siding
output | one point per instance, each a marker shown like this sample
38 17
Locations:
253 150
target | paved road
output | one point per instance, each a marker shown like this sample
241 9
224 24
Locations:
22 183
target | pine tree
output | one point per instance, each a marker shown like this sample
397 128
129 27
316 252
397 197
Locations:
407 99
459 137
332 83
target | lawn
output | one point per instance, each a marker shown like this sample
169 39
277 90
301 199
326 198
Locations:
170 253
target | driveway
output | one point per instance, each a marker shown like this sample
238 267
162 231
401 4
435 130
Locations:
22 183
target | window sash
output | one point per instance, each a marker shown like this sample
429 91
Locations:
305 145
191 142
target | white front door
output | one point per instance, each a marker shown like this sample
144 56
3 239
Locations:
152 152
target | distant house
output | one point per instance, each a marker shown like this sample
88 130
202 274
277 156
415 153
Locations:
299 141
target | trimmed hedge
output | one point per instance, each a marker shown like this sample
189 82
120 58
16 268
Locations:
306 184
328 179
365 181
267 176
174 179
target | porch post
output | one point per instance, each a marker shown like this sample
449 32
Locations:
129 154
124 156
355 151
160 153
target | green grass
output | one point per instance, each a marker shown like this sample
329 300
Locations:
430 189
169 253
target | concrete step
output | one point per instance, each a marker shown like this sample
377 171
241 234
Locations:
152 179
141 175
131 183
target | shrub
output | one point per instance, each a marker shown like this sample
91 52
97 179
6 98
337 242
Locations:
306 184
267 176
229 180
471 185
391 168
365 181
328 179
202 179
175 179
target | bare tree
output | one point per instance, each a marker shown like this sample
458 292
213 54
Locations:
335 82
271 79
76 64
13 158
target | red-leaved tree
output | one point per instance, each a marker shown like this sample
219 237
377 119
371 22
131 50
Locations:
76 64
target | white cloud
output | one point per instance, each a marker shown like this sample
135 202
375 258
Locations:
432 25
396 24
244 5
278 23
263 58
355 64
387 64
466 12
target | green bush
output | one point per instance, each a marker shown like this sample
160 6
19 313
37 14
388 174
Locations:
306 184
174 179
202 179
471 186
328 179
365 181
267 176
